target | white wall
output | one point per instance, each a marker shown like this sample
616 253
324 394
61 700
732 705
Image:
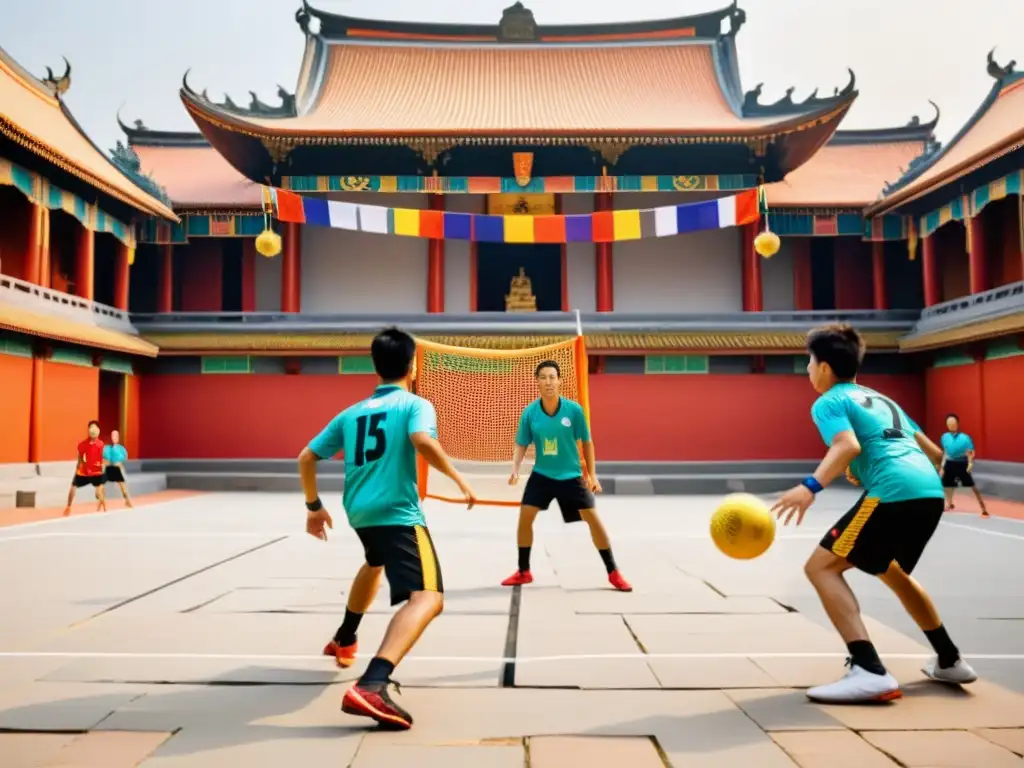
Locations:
268 284
777 279
579 258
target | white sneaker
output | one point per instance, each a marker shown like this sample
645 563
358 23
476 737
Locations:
858 685
960 673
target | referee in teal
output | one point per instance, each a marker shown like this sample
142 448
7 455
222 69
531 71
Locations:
958 463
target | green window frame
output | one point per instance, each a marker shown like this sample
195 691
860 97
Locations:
949 358
70 356
355 364
15 347
116 365
1000 348
676 364
229 364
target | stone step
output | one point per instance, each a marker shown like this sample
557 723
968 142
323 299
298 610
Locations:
53 491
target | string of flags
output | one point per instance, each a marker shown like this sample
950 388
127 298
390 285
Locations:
598 227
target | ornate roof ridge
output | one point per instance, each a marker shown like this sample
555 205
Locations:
914 130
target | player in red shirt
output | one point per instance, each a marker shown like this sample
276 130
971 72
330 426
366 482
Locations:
89 470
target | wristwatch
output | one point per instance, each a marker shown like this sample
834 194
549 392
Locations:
314 506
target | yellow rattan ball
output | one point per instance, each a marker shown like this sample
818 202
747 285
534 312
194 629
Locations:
268 243
767 244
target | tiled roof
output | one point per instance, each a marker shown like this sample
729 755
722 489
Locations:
410 89
844 175
197 177
33 117
62 329
998 128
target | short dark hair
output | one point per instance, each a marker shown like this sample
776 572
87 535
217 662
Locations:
93 421
548 364
953 416
392 352
841 346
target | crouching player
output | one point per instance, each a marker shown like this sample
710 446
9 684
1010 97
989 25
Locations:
887 530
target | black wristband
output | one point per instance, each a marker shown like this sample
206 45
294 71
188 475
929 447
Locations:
314 506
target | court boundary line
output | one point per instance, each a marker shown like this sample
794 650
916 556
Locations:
560 658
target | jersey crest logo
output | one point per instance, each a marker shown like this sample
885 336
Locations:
550 447
566 421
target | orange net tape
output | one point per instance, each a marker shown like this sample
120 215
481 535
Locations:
479 395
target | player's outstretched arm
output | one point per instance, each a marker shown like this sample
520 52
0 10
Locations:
931 450
434 454
517 462
590 465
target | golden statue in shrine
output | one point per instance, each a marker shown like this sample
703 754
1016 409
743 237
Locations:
520 296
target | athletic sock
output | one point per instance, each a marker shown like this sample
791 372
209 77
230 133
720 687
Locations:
948 653
864 655
378 672
609 559
346 634
524 559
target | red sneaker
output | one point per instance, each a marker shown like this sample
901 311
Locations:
374 702
616 580
517 578
344 655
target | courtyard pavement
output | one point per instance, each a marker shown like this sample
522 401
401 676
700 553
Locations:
186 632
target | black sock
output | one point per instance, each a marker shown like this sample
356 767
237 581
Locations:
948 653
346 634
524 559
378 672
865 656
608 557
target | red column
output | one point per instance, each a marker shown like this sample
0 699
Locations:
35 428
85 257
291 268
930 272
35 243
878 275
604 282
435 263
978 257
165 299
44 249
249 275
122 274
753 295
803 290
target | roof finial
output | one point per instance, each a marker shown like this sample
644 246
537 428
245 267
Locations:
59 86
737 17
517 23
996 71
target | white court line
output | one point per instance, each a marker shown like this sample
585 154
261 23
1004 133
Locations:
479 659
976 529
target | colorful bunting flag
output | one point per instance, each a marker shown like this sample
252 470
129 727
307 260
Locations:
598 227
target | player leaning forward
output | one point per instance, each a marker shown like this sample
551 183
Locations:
887 530
380 437
554 425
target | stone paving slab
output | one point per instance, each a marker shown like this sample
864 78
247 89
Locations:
943 749
609 752
831 749
373 754
255 747
1008 738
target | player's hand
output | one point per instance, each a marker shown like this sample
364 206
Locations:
513 479
468 493
318 522
852 478
795 501
592 484
970 468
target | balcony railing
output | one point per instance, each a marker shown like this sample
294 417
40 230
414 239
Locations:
550 323
978 307
48 301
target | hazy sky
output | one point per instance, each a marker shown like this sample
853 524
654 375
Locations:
134 52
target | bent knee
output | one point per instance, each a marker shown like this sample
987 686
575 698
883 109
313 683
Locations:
433 601
823 562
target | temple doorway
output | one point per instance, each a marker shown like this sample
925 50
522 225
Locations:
110 416
499 263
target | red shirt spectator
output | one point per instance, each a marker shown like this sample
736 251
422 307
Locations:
90 458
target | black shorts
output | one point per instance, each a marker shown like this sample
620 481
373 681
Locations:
114 475
571 495
955 473
408 556
80 481
872 534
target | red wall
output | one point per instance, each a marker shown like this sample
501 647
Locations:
15 407
1001 220
130 436
717 417
69 399
110 403
986 397
853 274
200 264
14 213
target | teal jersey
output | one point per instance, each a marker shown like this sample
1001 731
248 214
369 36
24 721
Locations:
891 465
554 438
380 461
956 445
115 454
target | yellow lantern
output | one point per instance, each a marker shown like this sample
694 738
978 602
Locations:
268 243
767 244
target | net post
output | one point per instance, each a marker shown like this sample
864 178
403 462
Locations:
579 323
422 468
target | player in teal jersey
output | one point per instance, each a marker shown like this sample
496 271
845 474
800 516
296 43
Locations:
554 425
380 437
886 531
114 457
958 463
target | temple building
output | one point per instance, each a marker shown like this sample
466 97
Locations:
478 184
